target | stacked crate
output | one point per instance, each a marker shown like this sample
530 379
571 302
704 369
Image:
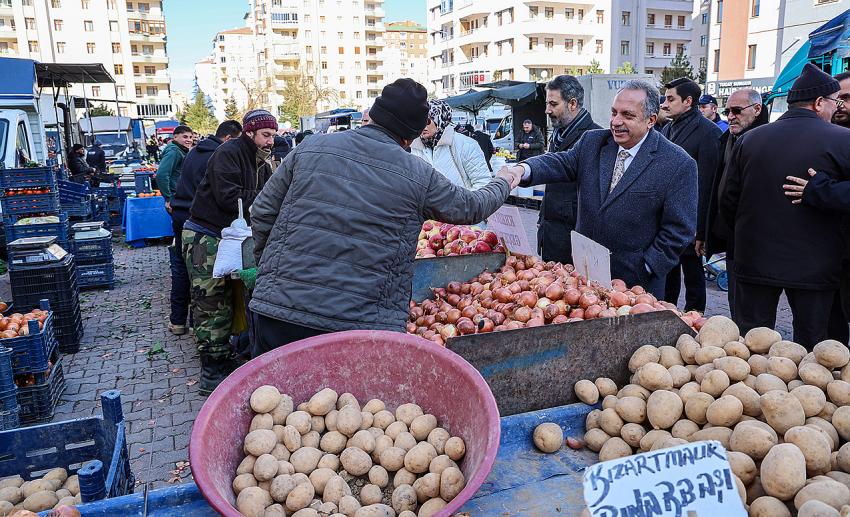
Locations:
92 248
76 200
40 269
27 194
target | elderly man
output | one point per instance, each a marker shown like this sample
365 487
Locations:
745 111
780 246
637 192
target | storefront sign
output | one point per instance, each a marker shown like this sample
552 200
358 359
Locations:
691 480
507 223
726 88
591 259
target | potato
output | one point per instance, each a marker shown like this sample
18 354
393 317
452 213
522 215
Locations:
633 390
281 486
403 477
59 474
632 434
653 376
609 402
349 420
264 399
742 466
455 448
431 507
696 407
300 497
651 437
407 413
687 347
12 494
11 481
767 506
767 382
282 410
404 498
643 355
718 331
72 484
347 399
587 392
811 398
357 461
322 402
392 459
383 419
418 459
252 501
720 434
328 461
259 442
725 411
839 392
708 354
687 390
749 398
336 489
427 487
827 491
375 510
422 425
63 493
827 428
782 367
683 429
680 375
782 411
548 437
262 421
735 368
814 446
610 421
330 420
828 410
365 441
439 436
333 442
815 374
815 508
348 505
832 354
395 429
714 383
404 441
631 409
280 452
381 444
753 438
614 448
841 421
305 459
788 349
606 386
667 443
265 468
594 438
783 471
758 364
451 483
759 340
319 478
755 490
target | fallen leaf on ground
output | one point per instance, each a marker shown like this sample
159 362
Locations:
191 382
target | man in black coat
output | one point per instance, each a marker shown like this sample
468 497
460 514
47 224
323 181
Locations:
745 111
79 170
700 138
96 157
780 246
194 169
564 100
530 142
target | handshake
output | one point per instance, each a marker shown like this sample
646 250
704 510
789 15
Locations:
513 175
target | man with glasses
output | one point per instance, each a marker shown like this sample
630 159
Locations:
780 246
745 111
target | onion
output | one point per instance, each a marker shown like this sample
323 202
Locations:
625 310
503 294
555 291
514 288
476 288
571 296
592 312
608 313
485 277
524 285
465 326
587 299
527 298
464 302
465 289
699 323
508 277
535 322
577 313
441 317
618 299
562 307
560 318
429 334
415 313
519 266
497 317
411 328
638 290
522 314
514 325
452 299
540 290
571 281
421 330
439 340
469 311
454 287
500 328
448 331
645 298
543 303
453 315
551 312
641 308
486 325
526 275
428 320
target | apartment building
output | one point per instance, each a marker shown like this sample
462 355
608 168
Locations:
338 43
128 37
751 41
477 41
230 72
406 52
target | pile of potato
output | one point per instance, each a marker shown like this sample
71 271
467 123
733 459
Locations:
330 457
781 412
53 490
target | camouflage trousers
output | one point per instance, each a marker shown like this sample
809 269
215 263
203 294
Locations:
212 309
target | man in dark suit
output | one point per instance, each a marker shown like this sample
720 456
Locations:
637 191
780 246
564 101
700 138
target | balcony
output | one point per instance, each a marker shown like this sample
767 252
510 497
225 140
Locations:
143 36
470 9
559 25
374 27
657 60
286 71
6 7
375 42
150 58
7 32
375 70
673 5
146 15
160 77
472 36
668 33
375 13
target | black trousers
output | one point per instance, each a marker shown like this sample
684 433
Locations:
180 285
755 306
690 265
730 294
270 333
840 314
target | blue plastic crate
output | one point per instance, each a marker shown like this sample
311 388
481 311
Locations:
31 354
8 390
21 231
92 251
30 204
96 275
38 402
10 419
37 177
95 448
79 208
9 401
70 189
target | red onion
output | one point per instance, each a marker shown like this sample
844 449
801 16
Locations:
454 287
527 298
571 296
522 314
466 326
587 299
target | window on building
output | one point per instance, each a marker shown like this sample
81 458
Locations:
532 43
341 50
324 50
600 16
88 26
703 63
144 8
85 4
56 4
754 12
550 13
148 27
719 11
667 49
27 3
341 80
95 91
33 46
703 40
356 51
111 4
626 18
57 25
152 91
751 57
324 65
568 45
119 69
668 21
549 43
579 46
704 18
60 47
581 15
113 26
570 13
359 95
680 22
599 46
138 91
122 91
150 70
650 20
309 49
90 48
680 48
716 67
147 50
30 23
321 19
624 48
650 48
533 12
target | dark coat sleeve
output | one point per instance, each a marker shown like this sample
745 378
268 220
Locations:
728 203
224 175
536 143
825 193
709 157
560 167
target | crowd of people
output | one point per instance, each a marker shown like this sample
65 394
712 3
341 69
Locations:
335 217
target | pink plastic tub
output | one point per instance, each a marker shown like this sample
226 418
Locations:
391 366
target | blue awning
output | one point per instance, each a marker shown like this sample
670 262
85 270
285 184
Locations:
834 35
791 72
18 78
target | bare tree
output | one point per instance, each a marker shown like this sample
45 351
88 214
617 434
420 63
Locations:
301 96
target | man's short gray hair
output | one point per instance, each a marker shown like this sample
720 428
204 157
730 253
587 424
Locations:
569 87
651 104
753 96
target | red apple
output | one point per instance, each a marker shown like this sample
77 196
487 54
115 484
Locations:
441 252
453 233
454 247
481 247
428 226
467 236
490 237
435 242
466 250
444 228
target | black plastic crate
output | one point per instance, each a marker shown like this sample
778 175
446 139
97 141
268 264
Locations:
96 275
38 402
30 204
69 333
56 282
36 177
91 251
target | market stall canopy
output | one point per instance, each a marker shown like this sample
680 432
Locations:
511 93
80 102
791 72
471 101
19 79
65 74
833 36
519 94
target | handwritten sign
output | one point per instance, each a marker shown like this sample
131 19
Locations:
691 480
591 259
507 223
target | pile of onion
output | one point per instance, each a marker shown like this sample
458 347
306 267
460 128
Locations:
528 292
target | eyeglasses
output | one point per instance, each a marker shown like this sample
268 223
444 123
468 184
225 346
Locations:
838 102
735 110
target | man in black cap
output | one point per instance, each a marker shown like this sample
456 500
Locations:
708 108
780 246
336 227
530 142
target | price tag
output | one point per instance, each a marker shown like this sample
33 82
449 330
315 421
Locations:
591 259
691 480
507 223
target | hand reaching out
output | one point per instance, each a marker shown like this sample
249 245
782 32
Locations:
513 175
795 189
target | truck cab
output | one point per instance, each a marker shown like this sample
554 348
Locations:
18 147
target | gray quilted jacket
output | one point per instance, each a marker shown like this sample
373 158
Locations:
336 227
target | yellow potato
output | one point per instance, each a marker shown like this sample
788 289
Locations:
767 382
783 471
815 448
718 331
455 448
632 434
259 442
721 434
767 506
687 347
663 409
737 349
336 489
782 367
281 486
300 497
815 508
357 462
758 364
753 438
749 398
782 411
715 383
431 507
742 466
587 392
422 426
670 356
827 491
683 429
815 374
725 411
832 354
252 501
322 402
839 392
614 448
696 407
631 409
759 340
653 436
427 487
811 398
418 459
594 438
735 368
633 390
451 483
841 421
643 355
707 354
548 437
788 349
654 376
605 386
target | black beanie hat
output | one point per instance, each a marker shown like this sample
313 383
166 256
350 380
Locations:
812 83
402 108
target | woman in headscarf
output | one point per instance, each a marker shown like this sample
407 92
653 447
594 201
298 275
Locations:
455 156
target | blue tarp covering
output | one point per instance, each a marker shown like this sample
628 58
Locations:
834 35
18 78
791 72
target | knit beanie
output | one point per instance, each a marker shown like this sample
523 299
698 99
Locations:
812 83
256 120
402 108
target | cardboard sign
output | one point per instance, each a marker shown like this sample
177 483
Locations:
691 480
591 259
507 223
